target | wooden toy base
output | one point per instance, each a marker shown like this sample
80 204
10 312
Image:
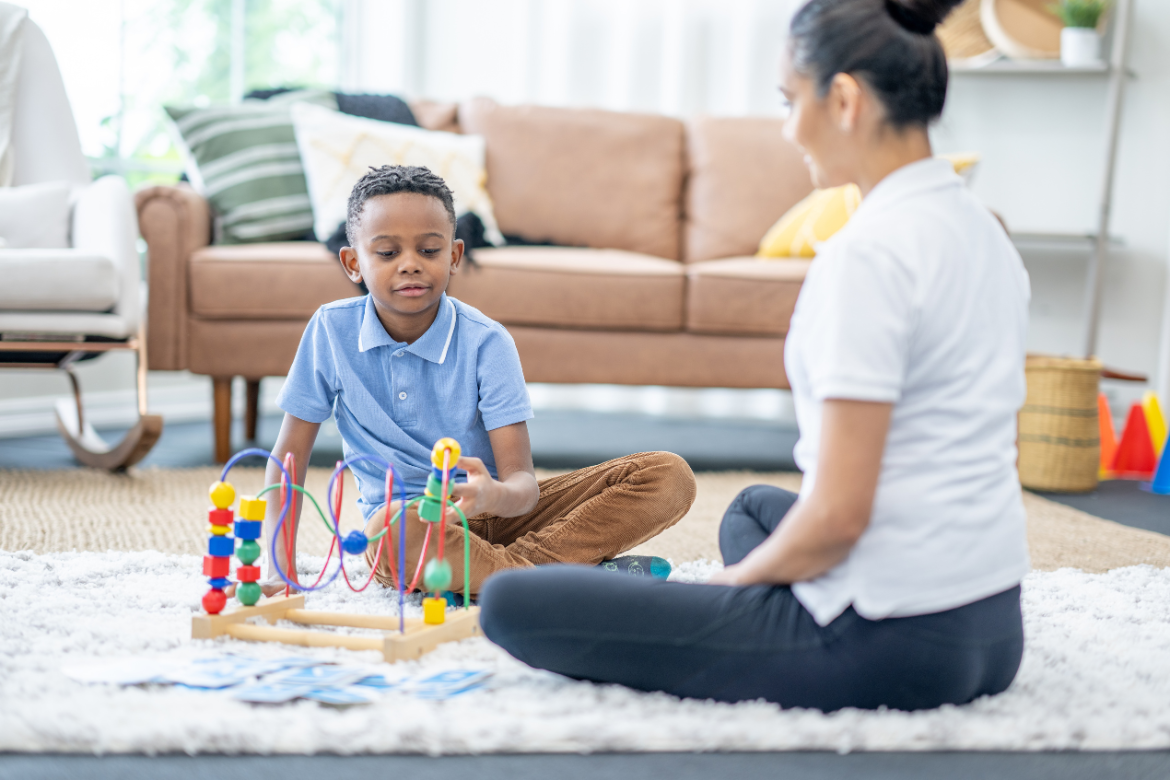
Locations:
418 640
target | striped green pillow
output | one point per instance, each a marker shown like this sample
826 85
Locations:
243 158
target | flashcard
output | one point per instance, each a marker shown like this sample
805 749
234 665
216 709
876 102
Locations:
319 676
270 694
445 684
353 694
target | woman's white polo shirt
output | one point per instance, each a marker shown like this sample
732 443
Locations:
920 301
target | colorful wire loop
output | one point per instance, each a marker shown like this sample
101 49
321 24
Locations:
333 523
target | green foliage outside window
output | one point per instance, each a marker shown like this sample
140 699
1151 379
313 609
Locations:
179 52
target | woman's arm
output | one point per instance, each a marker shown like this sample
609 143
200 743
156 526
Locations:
516 491
819 532
296 436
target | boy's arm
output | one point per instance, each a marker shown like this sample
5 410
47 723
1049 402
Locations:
516 491
296 436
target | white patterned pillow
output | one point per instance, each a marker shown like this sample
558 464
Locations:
338 149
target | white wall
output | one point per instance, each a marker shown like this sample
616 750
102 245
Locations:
1042 144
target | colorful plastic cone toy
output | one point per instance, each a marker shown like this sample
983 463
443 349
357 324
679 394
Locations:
1108 437
1155 421
1161 483
1135 454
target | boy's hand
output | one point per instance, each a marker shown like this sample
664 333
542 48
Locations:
479 494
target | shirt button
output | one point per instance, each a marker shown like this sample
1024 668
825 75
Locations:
402 396
399 353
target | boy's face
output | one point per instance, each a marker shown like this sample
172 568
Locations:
405 251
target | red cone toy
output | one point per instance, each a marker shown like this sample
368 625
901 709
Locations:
1135 454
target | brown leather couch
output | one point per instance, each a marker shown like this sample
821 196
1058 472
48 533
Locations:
651 282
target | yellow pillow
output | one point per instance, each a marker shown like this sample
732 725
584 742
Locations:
816 218
810 222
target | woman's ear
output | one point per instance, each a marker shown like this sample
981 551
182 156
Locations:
844 99
349 262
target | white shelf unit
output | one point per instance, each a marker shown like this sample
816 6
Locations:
1098 242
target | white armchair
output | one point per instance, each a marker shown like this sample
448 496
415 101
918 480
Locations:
59 305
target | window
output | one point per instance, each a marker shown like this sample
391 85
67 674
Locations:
122 60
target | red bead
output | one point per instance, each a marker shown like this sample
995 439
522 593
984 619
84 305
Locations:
214 601
215 566
247 573
219 516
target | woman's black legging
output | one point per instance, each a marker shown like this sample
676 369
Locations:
756 642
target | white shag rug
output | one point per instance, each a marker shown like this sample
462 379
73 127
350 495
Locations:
1095 675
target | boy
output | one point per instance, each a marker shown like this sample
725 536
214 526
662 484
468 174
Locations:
405 365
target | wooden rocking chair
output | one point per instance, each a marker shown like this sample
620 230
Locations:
61 305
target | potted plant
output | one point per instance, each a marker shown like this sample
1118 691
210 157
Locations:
1080 43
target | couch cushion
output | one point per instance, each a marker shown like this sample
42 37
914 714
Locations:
287 280
581 177
573 288
743 176
743 295
57 280
434 115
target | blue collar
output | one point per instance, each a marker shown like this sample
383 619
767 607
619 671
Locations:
432 345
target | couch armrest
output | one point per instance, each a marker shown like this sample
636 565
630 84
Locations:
175 221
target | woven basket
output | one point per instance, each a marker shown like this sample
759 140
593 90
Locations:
1060 446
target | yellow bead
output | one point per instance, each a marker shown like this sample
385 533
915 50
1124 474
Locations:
252 508
443 445
434 611
220 530
222 494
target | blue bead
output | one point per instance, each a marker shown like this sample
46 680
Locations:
355 543
248 529
219 582
221 546
437 473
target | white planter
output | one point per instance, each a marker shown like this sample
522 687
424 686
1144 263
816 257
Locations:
1080 46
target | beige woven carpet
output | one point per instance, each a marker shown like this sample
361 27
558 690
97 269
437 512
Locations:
165 510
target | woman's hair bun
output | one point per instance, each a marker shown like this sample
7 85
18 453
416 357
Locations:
920 16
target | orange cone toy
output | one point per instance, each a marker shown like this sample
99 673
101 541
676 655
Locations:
1108 437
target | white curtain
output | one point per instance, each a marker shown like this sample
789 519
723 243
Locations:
677 57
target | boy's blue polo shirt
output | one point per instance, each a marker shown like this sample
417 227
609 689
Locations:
462 378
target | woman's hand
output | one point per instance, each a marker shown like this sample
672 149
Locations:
820 530
733 575
479 494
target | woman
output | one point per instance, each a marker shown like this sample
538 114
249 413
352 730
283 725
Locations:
893 578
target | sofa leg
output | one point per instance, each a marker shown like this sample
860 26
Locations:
222 413
251 409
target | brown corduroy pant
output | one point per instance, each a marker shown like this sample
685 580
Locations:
587 516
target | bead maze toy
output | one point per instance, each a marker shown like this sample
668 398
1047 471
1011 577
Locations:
403 638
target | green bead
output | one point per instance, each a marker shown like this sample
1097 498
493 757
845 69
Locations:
248 552
429 509
434 486
437 575
248 593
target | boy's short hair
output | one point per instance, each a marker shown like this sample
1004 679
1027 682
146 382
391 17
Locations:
390 179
